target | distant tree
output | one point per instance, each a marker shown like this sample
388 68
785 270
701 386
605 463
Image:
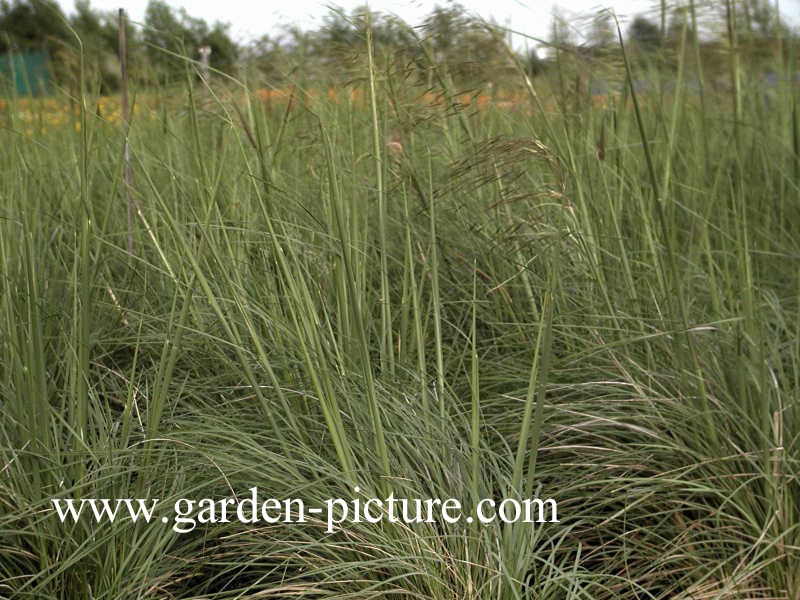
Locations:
41 24
533 63
602 32
163 31
338 29
561 35
33 25
267 58
181 34
336 50
761 18
443 29
678 20
341 31
99 36
759 24
224 51
336 43
472 50
483 56
645 34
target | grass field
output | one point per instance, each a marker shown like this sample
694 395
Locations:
596 302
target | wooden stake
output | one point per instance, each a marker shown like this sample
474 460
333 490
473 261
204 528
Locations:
128 173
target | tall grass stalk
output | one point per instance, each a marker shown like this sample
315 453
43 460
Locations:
502 310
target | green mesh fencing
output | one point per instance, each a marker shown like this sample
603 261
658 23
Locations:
26 72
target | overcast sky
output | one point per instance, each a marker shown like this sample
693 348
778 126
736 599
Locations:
252 19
